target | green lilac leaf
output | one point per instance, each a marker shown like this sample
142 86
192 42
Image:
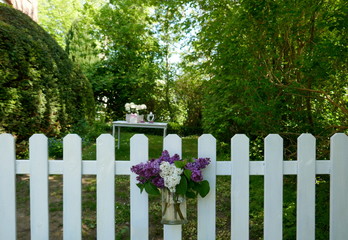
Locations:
204 188
190 194
181 188
151 189
188 173
141 186
180 164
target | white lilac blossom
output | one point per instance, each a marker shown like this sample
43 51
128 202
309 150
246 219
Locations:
171 175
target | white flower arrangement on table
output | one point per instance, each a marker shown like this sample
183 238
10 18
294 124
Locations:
134 108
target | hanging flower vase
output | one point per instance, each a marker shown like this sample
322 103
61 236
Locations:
173 208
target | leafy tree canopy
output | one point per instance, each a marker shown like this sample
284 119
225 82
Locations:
40 89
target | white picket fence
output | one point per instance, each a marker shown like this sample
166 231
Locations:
240 168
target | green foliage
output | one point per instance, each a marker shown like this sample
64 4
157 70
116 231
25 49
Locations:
40 89
58 17
128 69
273 66
55 148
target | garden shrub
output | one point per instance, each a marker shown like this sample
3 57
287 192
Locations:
41 91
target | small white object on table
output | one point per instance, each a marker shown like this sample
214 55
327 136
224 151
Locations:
120 124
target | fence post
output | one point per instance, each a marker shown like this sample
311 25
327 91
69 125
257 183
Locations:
306 187
105 187
240 187
273 205
72 156
339 186
207 206
172 143
39 213
139 205
7 187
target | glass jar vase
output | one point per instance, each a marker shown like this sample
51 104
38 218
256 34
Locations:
173 208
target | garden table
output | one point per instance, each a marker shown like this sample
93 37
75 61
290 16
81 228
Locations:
120 124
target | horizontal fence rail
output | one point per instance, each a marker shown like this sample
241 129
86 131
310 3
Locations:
240 168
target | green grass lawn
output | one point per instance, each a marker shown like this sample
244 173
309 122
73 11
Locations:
189 148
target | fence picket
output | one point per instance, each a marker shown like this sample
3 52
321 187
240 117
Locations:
306 187
273 200
38 154
240 187
339 187
105 187
72 155
7 187
206 207
139 152
172 143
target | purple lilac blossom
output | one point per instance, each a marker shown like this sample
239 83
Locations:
158 182
202 162
195 167
147 170
197 176
164 157
191 166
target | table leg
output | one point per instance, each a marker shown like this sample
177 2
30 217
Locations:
113 130
118 137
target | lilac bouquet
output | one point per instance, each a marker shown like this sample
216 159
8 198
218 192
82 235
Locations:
182 177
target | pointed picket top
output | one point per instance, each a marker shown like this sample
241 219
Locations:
306 137
206 145
239 140
72 137
273 138
339 139
172 143
38 146
139 148
338 186
7 187
139 138
6 137
37 136
105 137
7 141
273 148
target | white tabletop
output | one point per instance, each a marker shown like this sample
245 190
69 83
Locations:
145 124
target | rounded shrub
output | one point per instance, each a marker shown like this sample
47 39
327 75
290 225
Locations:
41 90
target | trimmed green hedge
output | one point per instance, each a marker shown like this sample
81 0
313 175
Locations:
41 91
